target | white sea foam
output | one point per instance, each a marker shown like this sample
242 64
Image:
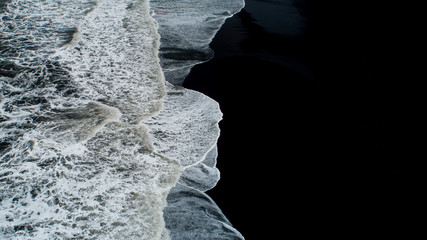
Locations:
76 160
92 140
192 119
204 175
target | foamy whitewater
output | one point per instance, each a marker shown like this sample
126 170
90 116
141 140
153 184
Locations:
95 144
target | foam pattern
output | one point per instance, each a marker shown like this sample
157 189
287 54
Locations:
78 78
204 175
193 125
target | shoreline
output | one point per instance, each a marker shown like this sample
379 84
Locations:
265 91
273 131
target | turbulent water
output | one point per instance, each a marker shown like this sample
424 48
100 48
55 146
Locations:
95 144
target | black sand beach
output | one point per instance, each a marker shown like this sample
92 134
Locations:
269 143
290 168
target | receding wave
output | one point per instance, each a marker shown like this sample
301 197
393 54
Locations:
92 137
187 27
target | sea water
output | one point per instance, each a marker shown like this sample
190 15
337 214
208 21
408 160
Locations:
95 144
187 27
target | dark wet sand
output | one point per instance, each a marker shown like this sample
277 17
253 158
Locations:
296 164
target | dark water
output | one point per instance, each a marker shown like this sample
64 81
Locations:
291 166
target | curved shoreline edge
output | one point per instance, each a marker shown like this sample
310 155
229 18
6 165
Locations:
198 175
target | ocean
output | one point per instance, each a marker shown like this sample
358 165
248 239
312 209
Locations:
99 140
